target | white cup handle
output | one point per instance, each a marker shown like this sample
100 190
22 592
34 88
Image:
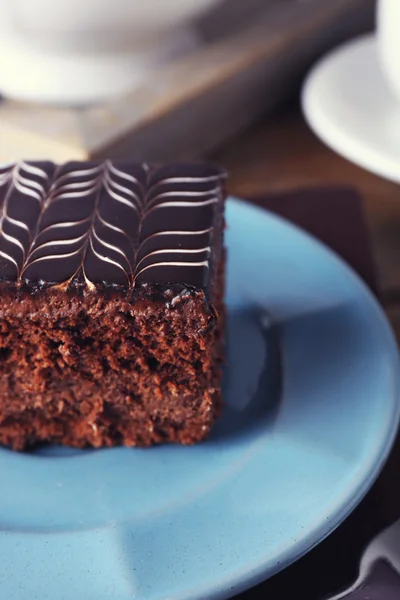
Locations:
388 39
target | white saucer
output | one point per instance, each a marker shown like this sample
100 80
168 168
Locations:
349 106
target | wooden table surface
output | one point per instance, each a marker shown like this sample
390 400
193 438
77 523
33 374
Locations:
279 154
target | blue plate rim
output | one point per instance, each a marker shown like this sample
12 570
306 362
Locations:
257 575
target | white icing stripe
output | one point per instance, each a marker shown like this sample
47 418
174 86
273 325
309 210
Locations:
76 185
183 194
110 246
4 217
179 251
119 187
188 179
58 243
4 180
13 240
182 204
178 203
107 259
30 170
197 232
29 187
203 263
14 221
52 257
26 191
34 170
119 198
79 194
8 257
174 251
161 233
23 181
121 174
76 174
66 224
110 226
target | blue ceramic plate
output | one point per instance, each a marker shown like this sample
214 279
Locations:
312 407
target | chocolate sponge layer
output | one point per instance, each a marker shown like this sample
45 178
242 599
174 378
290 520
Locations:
97 369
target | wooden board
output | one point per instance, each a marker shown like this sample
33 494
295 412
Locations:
196 103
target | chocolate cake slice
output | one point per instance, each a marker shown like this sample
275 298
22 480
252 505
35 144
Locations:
111 303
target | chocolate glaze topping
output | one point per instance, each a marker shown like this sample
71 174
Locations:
114 223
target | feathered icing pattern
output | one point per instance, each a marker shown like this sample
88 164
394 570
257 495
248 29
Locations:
86 239
106 222
23 190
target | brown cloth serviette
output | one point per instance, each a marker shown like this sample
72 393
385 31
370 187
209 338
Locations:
335 216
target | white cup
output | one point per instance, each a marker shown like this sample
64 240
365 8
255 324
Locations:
78 51
388 37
